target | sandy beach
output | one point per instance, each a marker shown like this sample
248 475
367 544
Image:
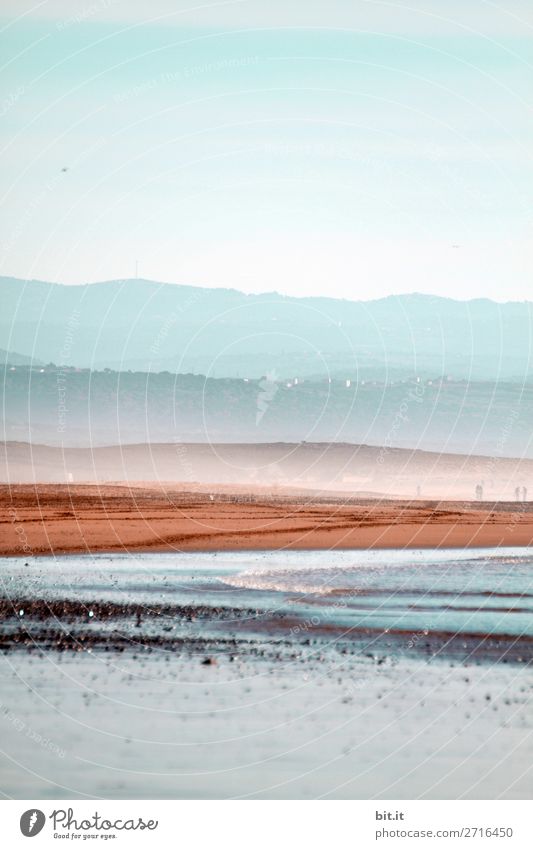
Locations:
55 518
221 641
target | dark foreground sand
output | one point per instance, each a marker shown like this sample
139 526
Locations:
114 707
62 518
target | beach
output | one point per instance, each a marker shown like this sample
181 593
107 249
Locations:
175 641
63 518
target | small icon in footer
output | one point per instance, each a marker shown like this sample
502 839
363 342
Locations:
32 822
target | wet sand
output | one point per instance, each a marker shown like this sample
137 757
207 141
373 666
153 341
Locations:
157 676
62 625
56 518
117 710
318 725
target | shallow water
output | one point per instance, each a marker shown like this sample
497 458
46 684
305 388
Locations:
475 591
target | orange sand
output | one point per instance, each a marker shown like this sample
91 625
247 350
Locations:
46 519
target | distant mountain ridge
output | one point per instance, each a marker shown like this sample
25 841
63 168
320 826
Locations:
12 358
149 326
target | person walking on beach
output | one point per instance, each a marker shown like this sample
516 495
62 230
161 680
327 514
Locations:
524 493
517 493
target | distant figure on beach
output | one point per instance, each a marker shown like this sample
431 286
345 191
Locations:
517 493
524 493
479 492
418 491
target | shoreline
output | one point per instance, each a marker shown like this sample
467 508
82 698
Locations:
234 549
218 605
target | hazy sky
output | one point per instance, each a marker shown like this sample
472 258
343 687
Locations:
343 147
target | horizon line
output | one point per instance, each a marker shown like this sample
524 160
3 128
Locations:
214 288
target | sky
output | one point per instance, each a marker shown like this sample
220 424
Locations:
348 148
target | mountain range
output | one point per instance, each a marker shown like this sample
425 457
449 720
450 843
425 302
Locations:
143 325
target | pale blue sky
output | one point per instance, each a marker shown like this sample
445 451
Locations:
352 148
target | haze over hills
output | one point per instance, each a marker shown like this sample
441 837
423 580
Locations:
149 326
359 470
72 407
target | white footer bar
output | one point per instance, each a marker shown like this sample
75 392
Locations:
267 824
